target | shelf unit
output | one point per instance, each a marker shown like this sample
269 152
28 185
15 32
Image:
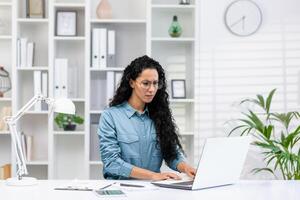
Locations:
6 60
141 27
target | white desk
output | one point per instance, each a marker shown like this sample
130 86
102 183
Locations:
244 190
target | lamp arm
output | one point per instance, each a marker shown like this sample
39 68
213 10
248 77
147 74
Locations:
11 122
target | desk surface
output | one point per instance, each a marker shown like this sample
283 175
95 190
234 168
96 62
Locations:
252 190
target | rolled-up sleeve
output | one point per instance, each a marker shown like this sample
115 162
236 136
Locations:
114 165
180 158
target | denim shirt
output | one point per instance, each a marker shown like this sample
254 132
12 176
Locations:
127 139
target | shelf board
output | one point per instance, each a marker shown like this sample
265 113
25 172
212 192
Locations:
5 99
182 100
96 163
169 39
4 133
69 133
5 37
5 4
172 6
69 38
119 21
37 162
33 20
77 99
37 112
187 133
34 68
107 69
69 5
96 111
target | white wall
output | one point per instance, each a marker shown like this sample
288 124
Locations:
232 68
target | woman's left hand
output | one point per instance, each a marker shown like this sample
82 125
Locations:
185 168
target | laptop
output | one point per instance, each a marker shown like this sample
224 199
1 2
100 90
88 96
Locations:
220 164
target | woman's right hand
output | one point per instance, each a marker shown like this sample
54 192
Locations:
164 176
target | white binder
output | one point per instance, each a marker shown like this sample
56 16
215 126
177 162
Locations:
111 53
61 78
30 54
23 52
103 48
95 48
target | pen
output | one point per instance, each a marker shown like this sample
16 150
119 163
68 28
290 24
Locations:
131 185
107 186
74 189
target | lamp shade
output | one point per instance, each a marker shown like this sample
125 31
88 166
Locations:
65 106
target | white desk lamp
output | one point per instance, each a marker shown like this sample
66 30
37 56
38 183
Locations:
56 105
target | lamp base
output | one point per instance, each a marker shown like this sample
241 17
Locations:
25 181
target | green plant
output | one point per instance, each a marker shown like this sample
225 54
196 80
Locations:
277 134
62 120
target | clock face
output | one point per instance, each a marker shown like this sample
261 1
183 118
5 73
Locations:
243 17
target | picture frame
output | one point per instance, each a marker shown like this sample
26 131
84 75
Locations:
178 89
66 23
35 8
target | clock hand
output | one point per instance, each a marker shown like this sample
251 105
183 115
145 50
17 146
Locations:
238 21
244 17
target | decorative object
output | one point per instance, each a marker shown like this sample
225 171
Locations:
175 29
35 8
60 106
104 10
5 82
66 23
243 17
178 89
277 134
184 2
68 122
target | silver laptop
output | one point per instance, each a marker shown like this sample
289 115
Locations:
220 164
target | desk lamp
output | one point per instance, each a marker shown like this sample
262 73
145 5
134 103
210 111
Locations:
65 106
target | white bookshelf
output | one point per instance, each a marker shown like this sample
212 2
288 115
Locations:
141 28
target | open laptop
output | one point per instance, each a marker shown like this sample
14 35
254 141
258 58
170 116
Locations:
220 164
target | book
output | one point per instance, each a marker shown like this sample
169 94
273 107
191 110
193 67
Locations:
29 146
110 84
30 54
5 171
37 80
44 89
23 52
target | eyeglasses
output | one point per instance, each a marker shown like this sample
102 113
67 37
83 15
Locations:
147 84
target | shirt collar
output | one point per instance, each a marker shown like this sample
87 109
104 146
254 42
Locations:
130 111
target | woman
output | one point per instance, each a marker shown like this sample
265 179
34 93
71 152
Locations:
137 132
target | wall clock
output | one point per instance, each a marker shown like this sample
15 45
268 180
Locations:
243 17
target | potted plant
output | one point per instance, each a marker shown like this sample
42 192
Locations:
277 134
68 122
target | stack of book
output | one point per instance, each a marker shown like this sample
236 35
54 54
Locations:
25 53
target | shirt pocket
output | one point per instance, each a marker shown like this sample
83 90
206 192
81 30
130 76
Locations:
129 144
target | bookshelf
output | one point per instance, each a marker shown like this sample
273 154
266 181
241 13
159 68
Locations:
141 27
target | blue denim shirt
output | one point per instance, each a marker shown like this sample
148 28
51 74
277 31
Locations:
127 139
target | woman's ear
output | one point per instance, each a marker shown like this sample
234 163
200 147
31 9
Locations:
131 83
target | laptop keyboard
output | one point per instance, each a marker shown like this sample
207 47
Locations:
184 183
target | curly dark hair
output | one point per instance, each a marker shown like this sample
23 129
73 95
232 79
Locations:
159 110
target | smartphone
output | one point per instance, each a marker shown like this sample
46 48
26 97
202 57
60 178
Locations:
103 193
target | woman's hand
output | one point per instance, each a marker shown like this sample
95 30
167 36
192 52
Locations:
185 168
164 176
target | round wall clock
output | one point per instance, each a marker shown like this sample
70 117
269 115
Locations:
243 17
